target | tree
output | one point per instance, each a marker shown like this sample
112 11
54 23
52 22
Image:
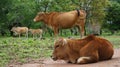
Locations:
4 10
113 18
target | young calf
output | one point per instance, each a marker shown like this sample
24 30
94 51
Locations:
82 51
20 30
36 32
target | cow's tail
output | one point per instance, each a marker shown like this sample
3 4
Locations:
81 14
78 12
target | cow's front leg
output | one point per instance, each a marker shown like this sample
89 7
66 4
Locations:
56 31
72 60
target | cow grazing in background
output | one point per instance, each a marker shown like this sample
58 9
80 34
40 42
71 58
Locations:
36 32
20 30
56 20
82 51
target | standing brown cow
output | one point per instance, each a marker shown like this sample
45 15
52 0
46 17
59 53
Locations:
88 50
56 20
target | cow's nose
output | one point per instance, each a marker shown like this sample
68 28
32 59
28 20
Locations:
54 58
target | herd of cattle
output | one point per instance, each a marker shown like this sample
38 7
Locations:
86 50
24 30
56 21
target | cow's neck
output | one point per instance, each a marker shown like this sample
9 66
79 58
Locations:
77 44
46 19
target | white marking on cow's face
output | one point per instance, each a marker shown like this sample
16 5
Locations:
82 59
34 20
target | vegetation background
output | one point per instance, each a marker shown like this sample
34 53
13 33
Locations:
103 18
102 15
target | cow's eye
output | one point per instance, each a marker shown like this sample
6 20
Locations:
57 46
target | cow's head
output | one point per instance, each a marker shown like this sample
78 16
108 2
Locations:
60 49
39 17
30 30
13 29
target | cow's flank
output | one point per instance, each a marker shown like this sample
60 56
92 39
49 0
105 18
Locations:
64 20
88 50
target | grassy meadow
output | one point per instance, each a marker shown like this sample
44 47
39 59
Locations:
14 49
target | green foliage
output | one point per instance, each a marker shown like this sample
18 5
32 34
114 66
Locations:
113 16
115 1
54 5
113 11
96 11
22 11
4 9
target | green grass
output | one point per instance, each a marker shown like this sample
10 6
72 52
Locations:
18 50
21 49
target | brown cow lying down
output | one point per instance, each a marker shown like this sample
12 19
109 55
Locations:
20 30
36 32
82 51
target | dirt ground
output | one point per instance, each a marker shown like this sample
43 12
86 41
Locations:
114 62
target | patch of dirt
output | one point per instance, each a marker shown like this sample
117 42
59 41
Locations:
114 62
30 62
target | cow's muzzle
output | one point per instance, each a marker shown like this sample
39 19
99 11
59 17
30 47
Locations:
54 58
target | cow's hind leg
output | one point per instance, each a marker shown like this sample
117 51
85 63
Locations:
89 53
88 57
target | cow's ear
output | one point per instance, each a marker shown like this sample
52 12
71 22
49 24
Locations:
41 13
63 42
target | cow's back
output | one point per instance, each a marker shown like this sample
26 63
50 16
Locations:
38 31
66 20
22 29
